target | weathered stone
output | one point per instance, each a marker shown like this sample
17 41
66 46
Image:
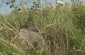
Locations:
32 38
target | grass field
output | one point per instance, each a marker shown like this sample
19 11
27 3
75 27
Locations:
62 27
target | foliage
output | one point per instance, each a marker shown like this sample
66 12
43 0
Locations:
7 49
62 29
79 13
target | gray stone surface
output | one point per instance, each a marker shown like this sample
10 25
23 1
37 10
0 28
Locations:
30 37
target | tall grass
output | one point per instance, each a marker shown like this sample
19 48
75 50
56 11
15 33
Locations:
57 26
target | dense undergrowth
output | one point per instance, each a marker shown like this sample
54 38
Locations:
62 28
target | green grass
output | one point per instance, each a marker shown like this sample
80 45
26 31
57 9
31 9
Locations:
58 27
7 49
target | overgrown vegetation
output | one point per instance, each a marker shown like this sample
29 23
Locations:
62 29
